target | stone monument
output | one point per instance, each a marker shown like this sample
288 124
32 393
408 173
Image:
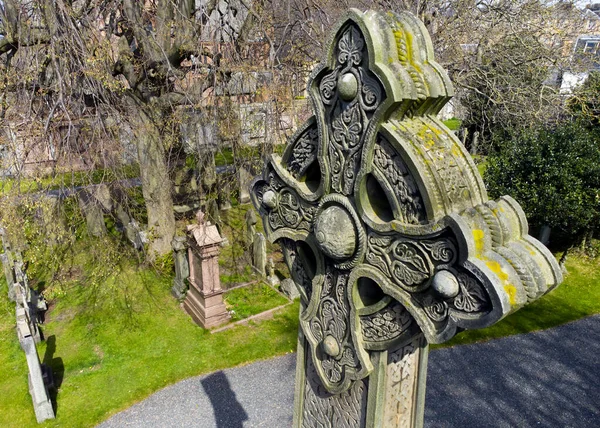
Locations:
272 278
204 299
387 229
251 220
182 268
93 212
224 195
244 178
259 254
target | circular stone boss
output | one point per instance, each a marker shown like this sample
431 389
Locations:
348 86
336 233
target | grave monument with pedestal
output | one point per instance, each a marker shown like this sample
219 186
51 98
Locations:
204 298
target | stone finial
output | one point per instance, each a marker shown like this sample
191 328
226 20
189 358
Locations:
200 217
386 225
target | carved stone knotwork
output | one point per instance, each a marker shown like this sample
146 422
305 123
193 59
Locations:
387 229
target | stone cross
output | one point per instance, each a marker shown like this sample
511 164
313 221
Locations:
204 299
387 229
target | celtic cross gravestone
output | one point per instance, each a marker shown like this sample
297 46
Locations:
387 229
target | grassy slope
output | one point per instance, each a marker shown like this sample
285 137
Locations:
113 358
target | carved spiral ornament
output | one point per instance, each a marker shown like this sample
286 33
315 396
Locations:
382 215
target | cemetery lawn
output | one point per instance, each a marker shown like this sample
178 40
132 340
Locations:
113 352
453 123
110 355
65 180
251 300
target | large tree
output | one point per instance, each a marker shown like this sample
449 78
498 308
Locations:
140 61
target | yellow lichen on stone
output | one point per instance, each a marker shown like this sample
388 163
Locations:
478 237
497 269
511 291
455 151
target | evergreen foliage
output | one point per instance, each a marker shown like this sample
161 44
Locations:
554 173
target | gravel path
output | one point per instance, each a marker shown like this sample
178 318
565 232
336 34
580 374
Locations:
544 379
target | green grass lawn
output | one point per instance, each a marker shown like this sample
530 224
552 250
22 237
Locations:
66 179
453 123
252 300
114 353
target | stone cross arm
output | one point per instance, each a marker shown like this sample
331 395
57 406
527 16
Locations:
386 226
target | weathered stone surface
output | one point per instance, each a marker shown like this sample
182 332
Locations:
37 388
272 278
259 253
182 268
224 196
387 229
251 221
93 213
244 180
288 287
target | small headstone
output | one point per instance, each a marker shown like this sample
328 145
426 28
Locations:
259 253
251 220
244 179
475 143
224 197
272 278
135 235
92 211
182 268
101 193
288 287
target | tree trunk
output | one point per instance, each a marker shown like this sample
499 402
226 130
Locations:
586 241
156 185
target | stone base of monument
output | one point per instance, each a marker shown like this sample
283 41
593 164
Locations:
207 310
